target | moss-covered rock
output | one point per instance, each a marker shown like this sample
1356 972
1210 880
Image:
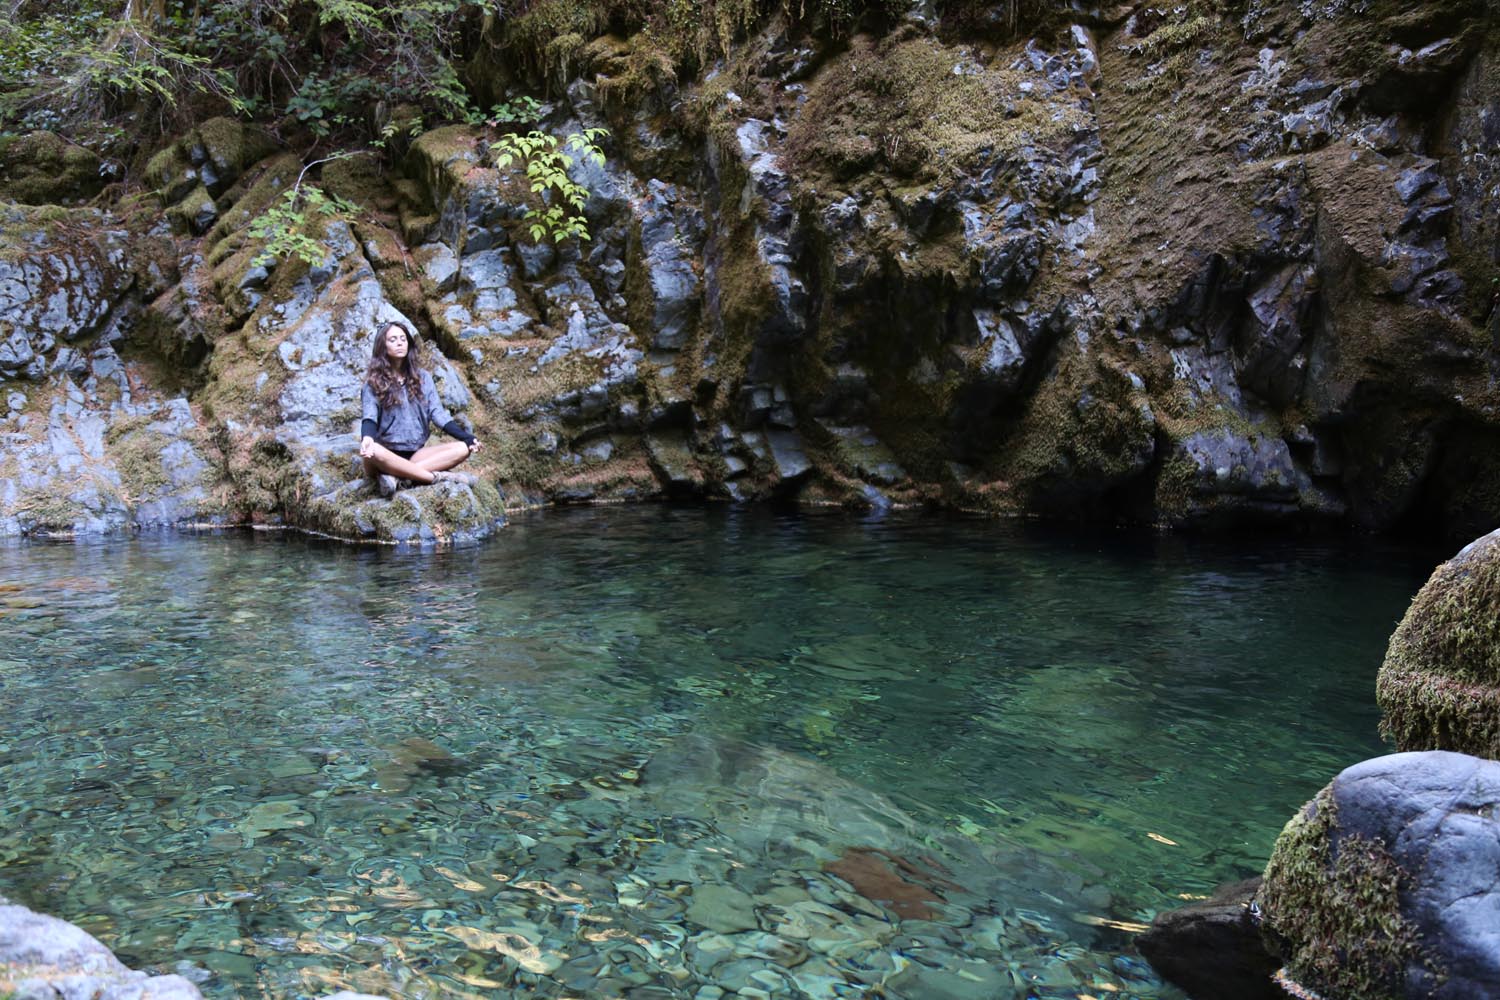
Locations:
214 155
41 168
1382 887
1439 688
1088 429
441 514
1333 911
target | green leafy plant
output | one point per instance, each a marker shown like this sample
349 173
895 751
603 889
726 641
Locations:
523 111
87 67
546 160
286 228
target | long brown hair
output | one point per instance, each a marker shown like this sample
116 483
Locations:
387 376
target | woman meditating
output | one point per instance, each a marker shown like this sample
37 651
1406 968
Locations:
398 402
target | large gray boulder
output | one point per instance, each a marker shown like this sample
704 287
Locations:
44 958
1387 884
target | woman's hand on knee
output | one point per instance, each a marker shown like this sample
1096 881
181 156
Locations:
367 447
473 446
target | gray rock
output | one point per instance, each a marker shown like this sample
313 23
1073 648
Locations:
1226 461
672 459
439 266
1269 358
35 939
15 351
1435 816
667 252
598 451
1408 264
536 258
1002 358
43 958
1417 181
791 460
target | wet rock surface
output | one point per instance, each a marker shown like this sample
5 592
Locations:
42 958
1213 948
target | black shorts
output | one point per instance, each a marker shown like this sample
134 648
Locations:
402 452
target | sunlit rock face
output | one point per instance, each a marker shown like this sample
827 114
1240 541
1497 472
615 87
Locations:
1185 268
92 441
1385 884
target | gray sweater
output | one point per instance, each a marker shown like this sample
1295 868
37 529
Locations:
405 425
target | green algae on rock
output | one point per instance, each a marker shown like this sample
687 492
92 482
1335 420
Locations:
1333 908
1439 688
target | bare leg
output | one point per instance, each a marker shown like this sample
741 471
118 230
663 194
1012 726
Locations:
438 457
387 461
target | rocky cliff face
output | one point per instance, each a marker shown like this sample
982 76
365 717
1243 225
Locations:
1181 265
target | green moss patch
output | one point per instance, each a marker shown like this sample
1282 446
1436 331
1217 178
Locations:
1332 908
917 109
40 168
137 454
41 511
1087 429
551 39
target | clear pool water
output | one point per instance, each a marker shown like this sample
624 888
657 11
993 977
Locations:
671 752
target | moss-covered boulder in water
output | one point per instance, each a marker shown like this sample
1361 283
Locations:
440 514
1439 688
1384 885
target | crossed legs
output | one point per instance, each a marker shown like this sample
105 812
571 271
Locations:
422 464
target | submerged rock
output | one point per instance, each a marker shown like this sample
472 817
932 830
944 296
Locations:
1213 949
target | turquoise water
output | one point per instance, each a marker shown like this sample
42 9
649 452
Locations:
658 752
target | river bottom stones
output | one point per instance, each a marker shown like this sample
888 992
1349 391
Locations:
1439 687
1385 884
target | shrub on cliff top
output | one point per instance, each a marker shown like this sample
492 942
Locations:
1439 688
134 64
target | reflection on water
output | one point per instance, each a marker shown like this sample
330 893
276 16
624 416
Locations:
645 752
